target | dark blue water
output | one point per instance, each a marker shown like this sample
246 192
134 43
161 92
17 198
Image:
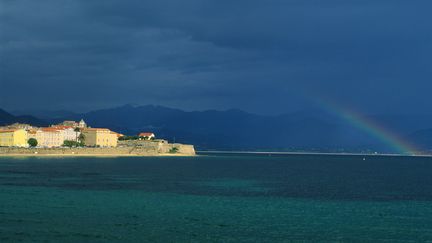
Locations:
232 198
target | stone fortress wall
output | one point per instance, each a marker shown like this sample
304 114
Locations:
139 148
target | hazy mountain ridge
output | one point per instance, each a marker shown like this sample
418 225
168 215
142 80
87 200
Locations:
43 114
7 118
236 129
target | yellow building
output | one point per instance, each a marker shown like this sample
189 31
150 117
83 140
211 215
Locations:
101 137
13 138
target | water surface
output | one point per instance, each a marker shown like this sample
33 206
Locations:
223 198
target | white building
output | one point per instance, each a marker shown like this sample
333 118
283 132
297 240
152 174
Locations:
52 137
70 134
147 135
47 137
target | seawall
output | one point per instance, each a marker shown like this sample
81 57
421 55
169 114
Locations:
153 149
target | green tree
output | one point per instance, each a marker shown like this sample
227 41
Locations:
32 142
76 130
173 150
81 139
70 143
124 138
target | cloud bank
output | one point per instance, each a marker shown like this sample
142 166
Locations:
261 56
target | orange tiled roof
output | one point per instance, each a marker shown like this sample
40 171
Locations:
146 134
49 129
61 127
8 130
117 134
96 129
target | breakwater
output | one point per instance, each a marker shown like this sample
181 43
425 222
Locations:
143 149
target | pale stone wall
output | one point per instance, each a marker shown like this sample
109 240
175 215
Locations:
153 149
181 148
59 151
141 143
161 146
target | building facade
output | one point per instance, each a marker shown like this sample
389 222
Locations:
100 137
13 138
54 136
69 133
36 134
50 137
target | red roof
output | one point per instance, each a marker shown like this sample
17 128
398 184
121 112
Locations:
61 127
96 129
117 134
146 134
9 130
49 129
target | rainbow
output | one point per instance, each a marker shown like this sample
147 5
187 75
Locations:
369 126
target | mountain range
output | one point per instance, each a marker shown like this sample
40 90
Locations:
7 118
238 130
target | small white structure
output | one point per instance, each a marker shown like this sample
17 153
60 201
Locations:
147 135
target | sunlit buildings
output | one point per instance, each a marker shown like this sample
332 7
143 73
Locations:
69 133
100 137
56 135
47 137
13 138
51 137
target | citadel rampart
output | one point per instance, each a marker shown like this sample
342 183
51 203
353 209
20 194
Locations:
141 148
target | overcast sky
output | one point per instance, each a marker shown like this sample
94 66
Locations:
271 56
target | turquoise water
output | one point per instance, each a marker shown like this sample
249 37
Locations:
240 198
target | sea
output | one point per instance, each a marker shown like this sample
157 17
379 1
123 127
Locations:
216 198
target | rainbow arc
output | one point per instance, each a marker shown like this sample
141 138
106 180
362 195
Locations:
369 126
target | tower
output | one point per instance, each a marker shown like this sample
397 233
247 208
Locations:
82 124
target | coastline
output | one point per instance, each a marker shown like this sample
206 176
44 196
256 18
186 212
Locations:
97 155
313 153
122 153
155 150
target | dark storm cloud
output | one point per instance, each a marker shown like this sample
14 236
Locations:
264 56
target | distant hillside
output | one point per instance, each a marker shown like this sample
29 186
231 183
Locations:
422 138
236 129
44 114
7 118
